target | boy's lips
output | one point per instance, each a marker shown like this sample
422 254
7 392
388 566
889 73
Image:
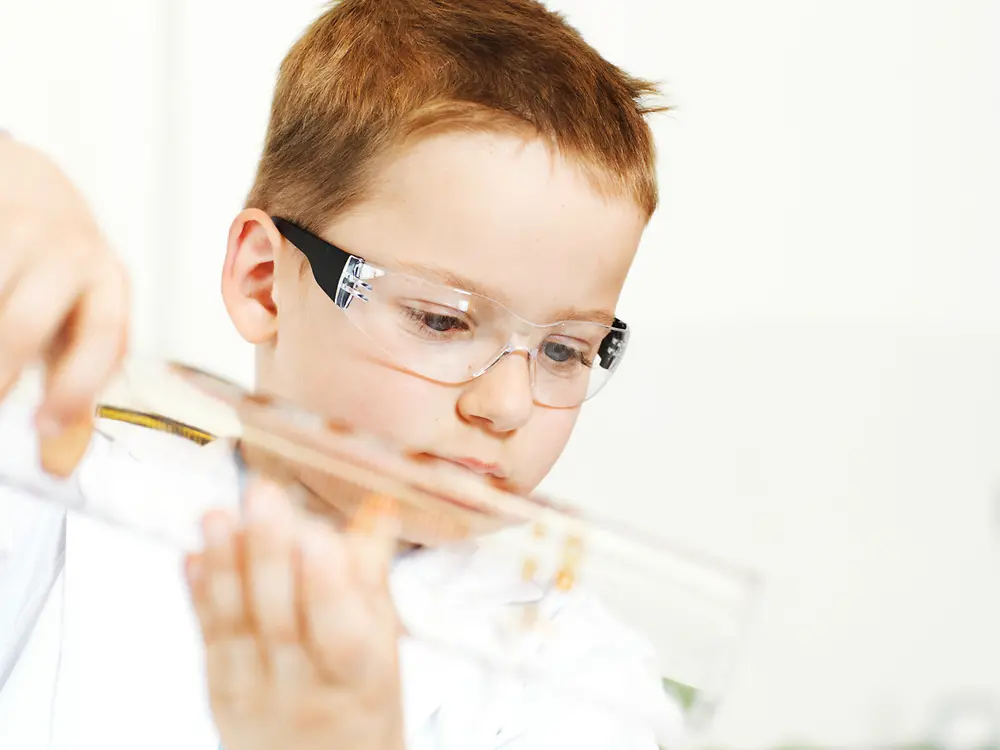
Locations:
482 468
492 473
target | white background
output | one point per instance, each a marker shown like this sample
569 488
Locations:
814 387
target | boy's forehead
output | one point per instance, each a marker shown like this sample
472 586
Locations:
501 215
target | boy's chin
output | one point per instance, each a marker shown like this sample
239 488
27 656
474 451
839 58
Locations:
449 522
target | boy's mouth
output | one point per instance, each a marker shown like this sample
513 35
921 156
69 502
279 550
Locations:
490 470
493 473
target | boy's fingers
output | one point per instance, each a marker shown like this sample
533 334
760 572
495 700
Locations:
56 274
31 311
232 661
17 237
376 530
194 573
89 349
235 670
373 555
270 554
334 618
60 455
225 611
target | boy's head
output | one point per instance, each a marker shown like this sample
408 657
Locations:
472 144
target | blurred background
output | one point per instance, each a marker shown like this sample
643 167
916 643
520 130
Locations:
814 384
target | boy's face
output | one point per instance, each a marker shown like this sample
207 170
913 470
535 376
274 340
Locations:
522 226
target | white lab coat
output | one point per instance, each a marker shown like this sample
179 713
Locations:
115 660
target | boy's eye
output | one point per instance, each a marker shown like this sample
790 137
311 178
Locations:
561 353
441 323
434 323
558 352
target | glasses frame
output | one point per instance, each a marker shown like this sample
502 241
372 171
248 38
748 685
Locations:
344 277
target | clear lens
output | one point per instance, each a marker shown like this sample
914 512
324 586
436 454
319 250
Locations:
438 332
570 364
453 336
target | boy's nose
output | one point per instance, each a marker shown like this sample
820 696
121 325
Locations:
500 399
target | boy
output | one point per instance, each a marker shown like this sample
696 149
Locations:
488 176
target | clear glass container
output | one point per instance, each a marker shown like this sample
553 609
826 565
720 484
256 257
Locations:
690 612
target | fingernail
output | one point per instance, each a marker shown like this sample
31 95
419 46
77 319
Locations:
217 531
387 521
296 494
383 505
48 426
315 542
193 568
363 521
262 503
62 447
373 514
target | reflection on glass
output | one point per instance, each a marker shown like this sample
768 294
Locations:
690 610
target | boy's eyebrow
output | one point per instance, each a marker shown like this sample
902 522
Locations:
590 316
452 279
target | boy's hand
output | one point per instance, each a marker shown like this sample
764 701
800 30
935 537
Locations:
300 630
63 294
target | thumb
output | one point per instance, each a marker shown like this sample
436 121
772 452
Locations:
60 453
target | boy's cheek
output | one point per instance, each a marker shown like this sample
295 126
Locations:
349 380
542 442
341 374
396 405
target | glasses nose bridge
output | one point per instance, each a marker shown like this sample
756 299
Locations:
517 342
521 334
522 340
525 337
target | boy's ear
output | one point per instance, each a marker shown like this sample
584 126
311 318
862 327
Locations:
248 280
